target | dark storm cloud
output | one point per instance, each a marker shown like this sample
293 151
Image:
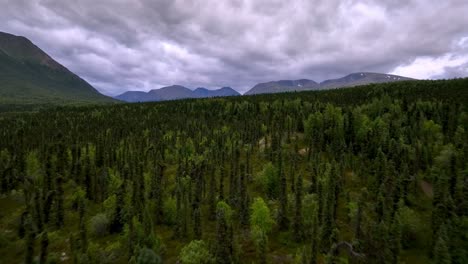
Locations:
120 45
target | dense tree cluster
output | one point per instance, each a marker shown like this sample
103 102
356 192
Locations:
375 174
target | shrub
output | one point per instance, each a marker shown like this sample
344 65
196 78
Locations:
148 256
99 225
110 205
110 254
261 216
53 258
414 231
170 211
267 180
196 252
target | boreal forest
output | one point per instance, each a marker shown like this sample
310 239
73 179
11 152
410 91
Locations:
370 174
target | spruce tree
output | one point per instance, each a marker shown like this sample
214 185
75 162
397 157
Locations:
243 201
212 194
297 224
283 221
44 247
441 249
59 203
30 240
223 239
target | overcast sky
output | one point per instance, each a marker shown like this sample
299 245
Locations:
119 45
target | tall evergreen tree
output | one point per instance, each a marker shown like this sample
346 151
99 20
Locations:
223 239
298 219
283 221
59 202
44 247
441 249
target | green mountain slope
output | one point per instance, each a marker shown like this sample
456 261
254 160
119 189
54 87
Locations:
30 76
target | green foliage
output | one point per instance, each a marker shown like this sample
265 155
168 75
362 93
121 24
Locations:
224 236
137 237
261 224
110 206
223 210
414 232
269 181
310 208
298 217
260 216
301 256
54 258
170 214
352 210
441 250
33 167
115 182
260 240
99 254
196 252
99 225
78 197
148 256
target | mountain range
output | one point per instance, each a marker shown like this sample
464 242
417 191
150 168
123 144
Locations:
174 92
354 79
29 76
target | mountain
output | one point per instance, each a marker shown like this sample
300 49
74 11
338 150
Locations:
225 91
180 92
174 92
361 78
133 96
354 79
166 93
29 76
283 86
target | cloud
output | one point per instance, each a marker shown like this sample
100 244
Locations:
453 64
120 45
426 68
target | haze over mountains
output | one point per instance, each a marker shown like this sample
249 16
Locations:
29 75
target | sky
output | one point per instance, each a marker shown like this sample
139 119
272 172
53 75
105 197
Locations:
120 45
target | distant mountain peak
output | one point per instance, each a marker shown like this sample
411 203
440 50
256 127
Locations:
226 88
201 89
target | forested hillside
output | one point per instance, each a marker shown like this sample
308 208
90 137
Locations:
372 174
